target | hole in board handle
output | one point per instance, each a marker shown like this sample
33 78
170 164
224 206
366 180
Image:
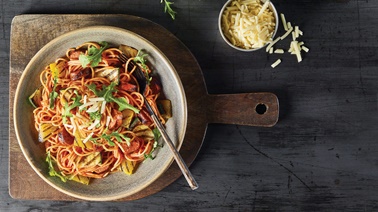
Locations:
261 108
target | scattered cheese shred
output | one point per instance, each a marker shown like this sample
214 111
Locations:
286 34
293 35
305 49
275 64
248 24
279 51
297 50
289 25
295 46
283 19
103 104
296 31
272 43
88 137
94 124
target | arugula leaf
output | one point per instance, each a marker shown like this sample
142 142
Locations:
122 103
118 136
94 55
167 8
107 93
157 135
53 95
68 108
140 58
52 171
95 115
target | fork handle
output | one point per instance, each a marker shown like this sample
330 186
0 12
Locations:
184 168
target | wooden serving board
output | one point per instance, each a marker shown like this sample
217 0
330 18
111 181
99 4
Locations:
29 33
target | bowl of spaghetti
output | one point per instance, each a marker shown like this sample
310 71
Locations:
80 119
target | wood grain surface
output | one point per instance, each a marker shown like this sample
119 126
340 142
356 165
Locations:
320 156
222 107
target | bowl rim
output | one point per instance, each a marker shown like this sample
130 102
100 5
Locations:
158 52
271 6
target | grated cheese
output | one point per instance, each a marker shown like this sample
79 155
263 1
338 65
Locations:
283 19
103 104
286 34
305 49
296 31
279 51
107 121
97 99
295 46
248 24
297 50
94 124
275 64
272 43
271 50
88 137
93 108
266 4
289 25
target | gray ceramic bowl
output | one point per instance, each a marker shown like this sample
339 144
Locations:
117 185
271 7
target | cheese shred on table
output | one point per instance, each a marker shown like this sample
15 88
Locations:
248 24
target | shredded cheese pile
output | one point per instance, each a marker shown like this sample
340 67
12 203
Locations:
296 47
248 24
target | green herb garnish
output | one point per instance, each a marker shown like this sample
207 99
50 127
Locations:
95 115
107 93
52 171
118 136
168 8
94 55
140 58
68 108
53 94
157 135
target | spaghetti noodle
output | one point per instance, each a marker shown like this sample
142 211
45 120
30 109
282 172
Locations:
90 115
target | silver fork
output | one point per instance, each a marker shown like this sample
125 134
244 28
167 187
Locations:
141 78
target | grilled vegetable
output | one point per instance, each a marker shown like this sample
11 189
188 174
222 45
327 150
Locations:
79 141
143 131
165 108
90 160
127 117
128 167
80 179
112 74
46 130
36 97
128 50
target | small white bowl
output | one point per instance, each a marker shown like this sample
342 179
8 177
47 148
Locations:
271 8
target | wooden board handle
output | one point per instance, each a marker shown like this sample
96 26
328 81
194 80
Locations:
253 109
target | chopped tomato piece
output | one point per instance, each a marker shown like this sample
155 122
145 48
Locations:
65 138
128 87
145 118
79 74
74 55
155 85
117 120
134 145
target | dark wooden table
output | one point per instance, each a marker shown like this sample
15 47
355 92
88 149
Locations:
321 155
